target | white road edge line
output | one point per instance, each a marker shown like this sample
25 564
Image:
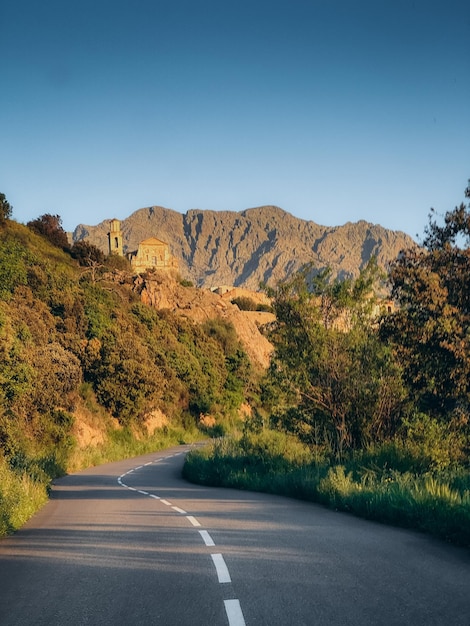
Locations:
234 613
221 569
193 520
207 538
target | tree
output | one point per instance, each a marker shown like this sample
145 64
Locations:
87 254
330 376
430 329
5 209
50 227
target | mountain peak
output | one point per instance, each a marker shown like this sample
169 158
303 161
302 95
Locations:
260 244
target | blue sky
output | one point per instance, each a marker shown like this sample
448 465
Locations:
334 110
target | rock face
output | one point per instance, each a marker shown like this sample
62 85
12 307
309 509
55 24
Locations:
162 291
266 244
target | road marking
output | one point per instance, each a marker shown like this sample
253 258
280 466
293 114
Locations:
232 607
207 538
234 613
221 569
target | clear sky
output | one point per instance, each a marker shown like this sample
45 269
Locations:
334 110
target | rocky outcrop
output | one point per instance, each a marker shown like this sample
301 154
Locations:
264 244
162 291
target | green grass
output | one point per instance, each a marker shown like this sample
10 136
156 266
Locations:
434 502
123 444
20 497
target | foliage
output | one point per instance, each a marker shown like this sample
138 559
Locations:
331 379
429 330
437 444
117 262
245 303
14 260
59 330
86 254
185 282
5 209
367 486
20 496
50 227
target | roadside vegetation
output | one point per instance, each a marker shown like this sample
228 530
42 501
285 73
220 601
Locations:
78 348
367 410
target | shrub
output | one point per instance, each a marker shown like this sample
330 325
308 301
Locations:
244 303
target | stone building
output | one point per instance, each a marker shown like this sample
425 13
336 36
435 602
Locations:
115 237
150 254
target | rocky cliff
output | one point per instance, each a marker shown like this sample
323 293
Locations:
163 292
242 249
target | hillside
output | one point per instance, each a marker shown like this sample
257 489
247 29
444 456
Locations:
95 359
266 244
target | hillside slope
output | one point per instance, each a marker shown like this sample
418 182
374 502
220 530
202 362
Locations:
267 244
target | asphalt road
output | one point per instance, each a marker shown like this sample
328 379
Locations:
132 543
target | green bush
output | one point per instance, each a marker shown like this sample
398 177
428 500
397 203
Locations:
367 485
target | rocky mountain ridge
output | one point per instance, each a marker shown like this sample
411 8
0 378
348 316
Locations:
264 244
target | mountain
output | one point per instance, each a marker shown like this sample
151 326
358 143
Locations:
242 249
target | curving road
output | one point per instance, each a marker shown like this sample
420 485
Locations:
132 543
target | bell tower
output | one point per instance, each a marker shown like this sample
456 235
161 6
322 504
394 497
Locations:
115 237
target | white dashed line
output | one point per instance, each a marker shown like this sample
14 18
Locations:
234 613
232 607
207 538
221 569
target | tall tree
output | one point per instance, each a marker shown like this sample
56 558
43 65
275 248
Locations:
5 209
50 227
430 329
331 378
